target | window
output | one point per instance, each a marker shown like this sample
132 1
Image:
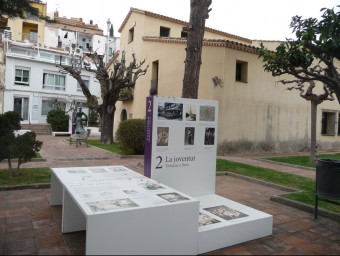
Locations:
21 107
328 123
123 115
154 81
86 81
54 82
33 36
164 32
241 71
46 107
131 35
184 34
22 76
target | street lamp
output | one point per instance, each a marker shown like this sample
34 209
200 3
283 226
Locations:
108 22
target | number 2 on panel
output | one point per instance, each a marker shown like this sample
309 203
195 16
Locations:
159 165
149 105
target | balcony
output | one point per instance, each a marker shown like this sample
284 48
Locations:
126 94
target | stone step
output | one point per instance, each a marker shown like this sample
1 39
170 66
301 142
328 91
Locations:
37 128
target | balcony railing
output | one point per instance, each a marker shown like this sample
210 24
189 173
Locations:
126 94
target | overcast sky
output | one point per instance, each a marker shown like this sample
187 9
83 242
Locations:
252 19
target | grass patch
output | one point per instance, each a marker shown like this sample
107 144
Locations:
114 148
26 176
302 160
306 185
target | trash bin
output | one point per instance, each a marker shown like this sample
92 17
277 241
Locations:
327 181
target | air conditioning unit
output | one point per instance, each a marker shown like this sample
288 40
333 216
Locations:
67 48
78 51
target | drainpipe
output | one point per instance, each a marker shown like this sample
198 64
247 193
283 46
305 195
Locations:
108 22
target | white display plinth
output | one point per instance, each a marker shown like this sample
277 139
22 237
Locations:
124 212
180 151
230 223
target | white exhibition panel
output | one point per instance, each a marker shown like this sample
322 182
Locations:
224 222
180 145
125 212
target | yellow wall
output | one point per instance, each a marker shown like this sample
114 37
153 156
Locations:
20 27
257 115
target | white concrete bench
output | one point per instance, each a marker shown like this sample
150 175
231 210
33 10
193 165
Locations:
21 132
61 133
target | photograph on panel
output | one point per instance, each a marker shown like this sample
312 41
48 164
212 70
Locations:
97 170
207 113
151 186
225 212
162 136
170 111
189 136
172 197
109 205
190 112
205 219
209 136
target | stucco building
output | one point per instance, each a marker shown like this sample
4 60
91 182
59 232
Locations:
255 112
31 49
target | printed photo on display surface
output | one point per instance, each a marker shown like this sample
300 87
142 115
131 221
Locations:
190 112
225 212
170 111
209 136
205 219
151 186
162 136
76 171
97 170
189 136
109 205
116 169
172 197
207 113
130 191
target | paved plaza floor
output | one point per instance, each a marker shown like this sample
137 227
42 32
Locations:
30 226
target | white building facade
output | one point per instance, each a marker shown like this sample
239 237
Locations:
32 80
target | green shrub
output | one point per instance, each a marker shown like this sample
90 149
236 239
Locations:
130 134
93 117
23 147
58 120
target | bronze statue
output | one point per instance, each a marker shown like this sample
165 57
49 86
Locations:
80 118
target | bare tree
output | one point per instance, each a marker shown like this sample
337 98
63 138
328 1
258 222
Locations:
199 12
315 100
111 83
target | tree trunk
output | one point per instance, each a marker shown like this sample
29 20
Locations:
313 149
199 12
106 123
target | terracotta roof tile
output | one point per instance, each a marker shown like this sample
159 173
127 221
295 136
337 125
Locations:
184 23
